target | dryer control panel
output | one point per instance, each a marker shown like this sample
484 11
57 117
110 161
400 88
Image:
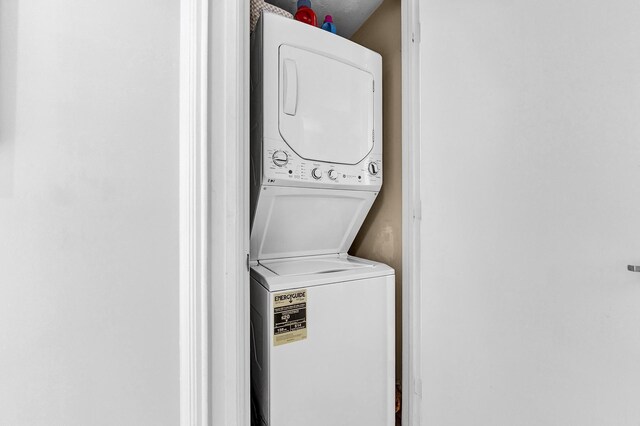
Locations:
283 166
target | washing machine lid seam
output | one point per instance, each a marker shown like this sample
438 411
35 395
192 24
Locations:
314 265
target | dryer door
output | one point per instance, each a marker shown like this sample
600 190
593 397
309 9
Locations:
326 107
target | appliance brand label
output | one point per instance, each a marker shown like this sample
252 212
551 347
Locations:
289 317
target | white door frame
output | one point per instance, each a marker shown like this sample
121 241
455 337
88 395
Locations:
214 222
411 215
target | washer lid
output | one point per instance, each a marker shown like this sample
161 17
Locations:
326 106
309 266
313 271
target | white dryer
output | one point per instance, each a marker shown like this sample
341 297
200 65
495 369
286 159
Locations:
322 322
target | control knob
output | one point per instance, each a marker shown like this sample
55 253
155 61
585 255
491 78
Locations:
374 169
316 173
333 175
280 158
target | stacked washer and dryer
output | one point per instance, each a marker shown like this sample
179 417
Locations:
322 322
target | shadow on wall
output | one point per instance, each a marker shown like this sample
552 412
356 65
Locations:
380 237
8 67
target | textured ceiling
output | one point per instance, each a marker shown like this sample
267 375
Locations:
348 15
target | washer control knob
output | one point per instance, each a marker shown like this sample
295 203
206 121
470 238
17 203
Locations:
316 173
374 169
333 175
280 158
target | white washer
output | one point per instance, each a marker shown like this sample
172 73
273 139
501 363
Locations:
331 362
322 322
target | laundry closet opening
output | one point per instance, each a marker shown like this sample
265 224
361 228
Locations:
325 212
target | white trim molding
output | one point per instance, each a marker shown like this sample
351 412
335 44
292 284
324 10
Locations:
194 272
214 224
411 215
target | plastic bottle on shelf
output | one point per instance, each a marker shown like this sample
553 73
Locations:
305 13
328 24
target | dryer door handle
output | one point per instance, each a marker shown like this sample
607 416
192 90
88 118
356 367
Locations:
290 89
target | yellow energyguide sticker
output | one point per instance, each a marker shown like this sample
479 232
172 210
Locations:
289 317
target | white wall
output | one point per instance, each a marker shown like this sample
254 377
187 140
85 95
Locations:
89 212
530 134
